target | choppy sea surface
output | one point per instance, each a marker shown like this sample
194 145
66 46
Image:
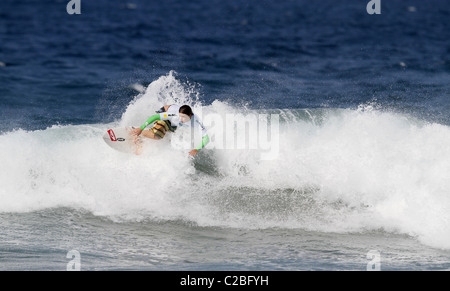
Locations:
356 178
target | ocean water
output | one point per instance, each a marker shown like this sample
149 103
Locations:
359 135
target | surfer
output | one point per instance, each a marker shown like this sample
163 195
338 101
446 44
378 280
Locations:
168 118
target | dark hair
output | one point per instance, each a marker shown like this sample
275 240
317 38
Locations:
185 109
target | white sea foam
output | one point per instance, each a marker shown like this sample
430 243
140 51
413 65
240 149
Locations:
336 171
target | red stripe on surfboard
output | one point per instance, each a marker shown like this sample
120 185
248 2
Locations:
112 136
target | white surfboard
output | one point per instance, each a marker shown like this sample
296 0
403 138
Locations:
121 140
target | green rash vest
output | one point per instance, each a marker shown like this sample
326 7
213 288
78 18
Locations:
174 118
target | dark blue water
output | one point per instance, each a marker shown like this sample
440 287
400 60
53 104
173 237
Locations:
74 69
352 182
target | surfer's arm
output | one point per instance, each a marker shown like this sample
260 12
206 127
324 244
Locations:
203 133
205 141
137 131
152 119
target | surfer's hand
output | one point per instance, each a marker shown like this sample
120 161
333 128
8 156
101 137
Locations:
193 153
136 131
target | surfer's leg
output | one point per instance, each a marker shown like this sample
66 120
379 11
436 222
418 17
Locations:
149 134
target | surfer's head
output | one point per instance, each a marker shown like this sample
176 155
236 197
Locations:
185 113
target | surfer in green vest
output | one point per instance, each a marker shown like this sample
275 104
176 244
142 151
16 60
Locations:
168 118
